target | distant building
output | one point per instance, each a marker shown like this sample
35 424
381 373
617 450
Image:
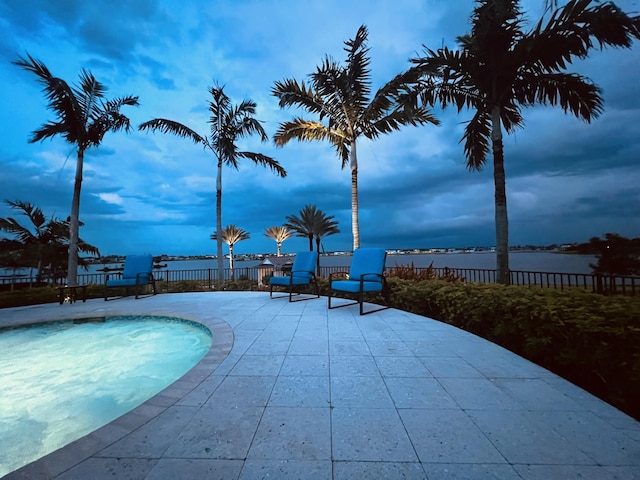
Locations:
274 265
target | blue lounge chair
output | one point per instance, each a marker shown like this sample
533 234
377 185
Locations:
302 273
137 273
365 275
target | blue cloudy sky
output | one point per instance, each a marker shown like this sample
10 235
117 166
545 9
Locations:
567 180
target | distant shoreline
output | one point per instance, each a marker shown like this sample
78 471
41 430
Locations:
260 256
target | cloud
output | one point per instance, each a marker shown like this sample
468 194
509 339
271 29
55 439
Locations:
566 180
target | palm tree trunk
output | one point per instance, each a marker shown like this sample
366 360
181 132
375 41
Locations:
501 218
318 240
311 242
74 223
231 259
219 254
279 250
355 225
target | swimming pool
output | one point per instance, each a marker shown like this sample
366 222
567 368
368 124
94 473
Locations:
62 380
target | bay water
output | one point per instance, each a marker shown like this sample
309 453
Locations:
524 261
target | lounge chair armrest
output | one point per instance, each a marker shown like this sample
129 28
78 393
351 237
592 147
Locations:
304 272
375 274
147 276
108 275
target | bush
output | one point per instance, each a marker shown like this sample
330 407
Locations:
410 272
591 340
39 295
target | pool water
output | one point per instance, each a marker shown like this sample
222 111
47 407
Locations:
62 380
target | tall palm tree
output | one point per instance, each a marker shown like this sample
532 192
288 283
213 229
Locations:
500 68
84 117
228 123
305 224
279 234
41 243
231 235
340 96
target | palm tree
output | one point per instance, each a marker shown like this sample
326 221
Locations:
228 123
324 226
340 97
304 225
499 69
279 234
84 117
40 244
231 235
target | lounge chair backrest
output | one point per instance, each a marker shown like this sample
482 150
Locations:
135 264
368 260
304 264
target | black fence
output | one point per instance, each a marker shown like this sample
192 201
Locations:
627 285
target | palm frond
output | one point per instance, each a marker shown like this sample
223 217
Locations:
398 118
13 227
389 95
278 233
232 235
88 95
574 29
265 161
293 94
573 93
248 126
35 215
511 115
446 79
357 70
339 102
169 126
61 100
300 129
476 140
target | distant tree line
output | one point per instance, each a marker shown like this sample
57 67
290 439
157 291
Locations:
616 255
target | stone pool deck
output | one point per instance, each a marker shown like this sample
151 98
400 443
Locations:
296 391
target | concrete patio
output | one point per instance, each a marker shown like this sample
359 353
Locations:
295 391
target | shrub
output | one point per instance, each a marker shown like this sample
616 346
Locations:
39 295
410 272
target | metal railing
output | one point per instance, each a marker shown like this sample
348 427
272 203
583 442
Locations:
627 285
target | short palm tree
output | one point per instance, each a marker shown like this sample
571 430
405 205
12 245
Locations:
41 243
341 99
84 117
500 68
231 235
325 225
279 234
312 223
304 225
228 123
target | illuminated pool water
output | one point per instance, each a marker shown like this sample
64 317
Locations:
62 380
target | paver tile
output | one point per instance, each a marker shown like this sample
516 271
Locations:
448 436
288 433
374 435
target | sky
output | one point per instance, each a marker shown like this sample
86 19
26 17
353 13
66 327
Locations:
567 181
